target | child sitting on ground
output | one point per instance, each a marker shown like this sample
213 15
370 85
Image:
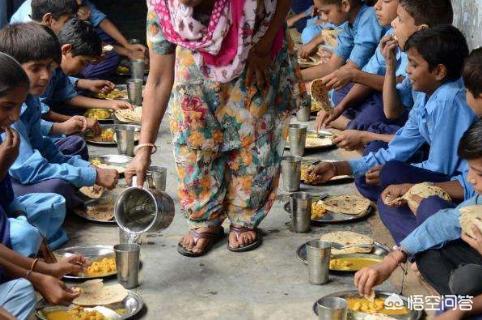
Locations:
450 260
359 36
35 216
362 108
80 45
439 117
40 167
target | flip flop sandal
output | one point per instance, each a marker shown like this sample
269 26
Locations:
212 236
253 245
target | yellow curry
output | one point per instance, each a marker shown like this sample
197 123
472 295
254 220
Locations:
76 313
100 267
376 306
351 264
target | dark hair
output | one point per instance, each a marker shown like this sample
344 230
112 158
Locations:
56 8
11 75
470 146
338 2
82 37
473 72
429 12
443 44
30 42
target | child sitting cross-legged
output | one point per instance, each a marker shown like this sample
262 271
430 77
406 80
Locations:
40 166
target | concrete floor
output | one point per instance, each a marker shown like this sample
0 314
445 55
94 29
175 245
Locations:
268 283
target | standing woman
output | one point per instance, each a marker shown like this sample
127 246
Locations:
230 85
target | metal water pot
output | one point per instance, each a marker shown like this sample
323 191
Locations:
139 210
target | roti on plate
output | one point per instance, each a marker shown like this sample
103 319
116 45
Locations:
347 204
470 216
129 115
348 238
100 295
319 97
93 192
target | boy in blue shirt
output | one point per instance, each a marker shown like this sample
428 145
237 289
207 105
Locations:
358 38
40 167
362 108
439 117
80 45
448 259
108 32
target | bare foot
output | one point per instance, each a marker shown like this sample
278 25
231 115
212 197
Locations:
190 244
244 239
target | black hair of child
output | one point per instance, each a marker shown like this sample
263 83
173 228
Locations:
338 2
473 72
470 146
11 75
28 42
441 45
56 8
82 37
429 12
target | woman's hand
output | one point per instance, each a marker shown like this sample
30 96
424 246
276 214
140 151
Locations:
476 242
138 167
52 289
71 265
9 149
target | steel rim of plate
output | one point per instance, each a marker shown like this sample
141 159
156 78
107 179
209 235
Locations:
87 251
350 218
139 306
105 159
376 246
412 315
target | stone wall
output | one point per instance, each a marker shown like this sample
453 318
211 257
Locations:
468 17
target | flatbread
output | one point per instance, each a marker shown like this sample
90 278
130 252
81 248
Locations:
423 190
93 192
102 297
471 216
347 204
313 142
319 96
129 115
347 238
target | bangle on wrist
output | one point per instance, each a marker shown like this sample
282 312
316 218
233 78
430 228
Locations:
32 267
146 145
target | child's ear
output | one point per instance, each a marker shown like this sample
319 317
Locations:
345 6
47 19
440 72
66 48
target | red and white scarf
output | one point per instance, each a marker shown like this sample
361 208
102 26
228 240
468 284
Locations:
221 48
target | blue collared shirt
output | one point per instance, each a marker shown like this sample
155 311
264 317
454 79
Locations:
24 12
357 42
469 190
39 159
59 90
439 120
442 227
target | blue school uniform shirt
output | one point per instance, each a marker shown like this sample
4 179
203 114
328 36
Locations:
469 190
439 120
39 158
24 12
442 227
357 42
59 90
313 29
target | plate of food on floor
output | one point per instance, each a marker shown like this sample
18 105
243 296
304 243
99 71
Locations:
96 301
98 204
337 208
118 93
129 116
101 115
317 140
355 251
106 137
313 180
111 161
381 305
101 258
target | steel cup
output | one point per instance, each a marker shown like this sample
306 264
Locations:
291 173
125 135
304 113
134 91
127 263
156 178
300 205
137 69
332 308
318 256
297 139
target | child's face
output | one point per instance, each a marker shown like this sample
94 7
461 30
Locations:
418 71
332 13
386 11
10 107
404 26
474 103
39 73
73 64
475 174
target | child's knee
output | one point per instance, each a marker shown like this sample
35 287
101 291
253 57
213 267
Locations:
466 280
24 237
390 173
